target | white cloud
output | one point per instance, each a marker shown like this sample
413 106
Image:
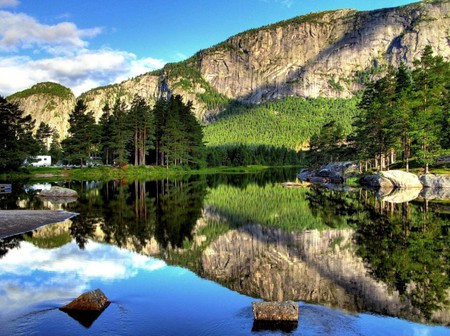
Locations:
20 31
79 72
63 54
9 3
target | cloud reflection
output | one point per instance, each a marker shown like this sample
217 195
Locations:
31 275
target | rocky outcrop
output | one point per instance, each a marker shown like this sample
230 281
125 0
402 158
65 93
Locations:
391 179
275 311
58 192
95 301
47 102
401 179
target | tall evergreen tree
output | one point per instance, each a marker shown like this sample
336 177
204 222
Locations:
143 123
121 133
106 143
428 95
84 135
44 137
16 137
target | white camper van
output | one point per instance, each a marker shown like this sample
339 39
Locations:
42 161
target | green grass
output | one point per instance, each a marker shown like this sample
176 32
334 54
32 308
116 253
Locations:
105 173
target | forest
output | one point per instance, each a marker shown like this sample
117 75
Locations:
404 114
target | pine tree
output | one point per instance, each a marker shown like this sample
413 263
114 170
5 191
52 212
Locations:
44 136
121 133
84 135
143 125
106 142
429 81
16 137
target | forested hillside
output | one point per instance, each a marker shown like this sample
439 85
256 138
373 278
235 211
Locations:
289 122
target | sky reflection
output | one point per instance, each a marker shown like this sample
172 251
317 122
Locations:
30 275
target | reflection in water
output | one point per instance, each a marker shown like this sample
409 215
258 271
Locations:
341 249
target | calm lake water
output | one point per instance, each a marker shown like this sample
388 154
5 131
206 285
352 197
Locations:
188 257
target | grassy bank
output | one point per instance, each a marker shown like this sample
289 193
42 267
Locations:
129 172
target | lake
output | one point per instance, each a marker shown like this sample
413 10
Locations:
189 256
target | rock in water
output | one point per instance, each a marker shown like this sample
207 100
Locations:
275 311
93 301
58 192
401 179
435 181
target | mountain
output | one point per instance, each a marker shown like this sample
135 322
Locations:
47 102
328 54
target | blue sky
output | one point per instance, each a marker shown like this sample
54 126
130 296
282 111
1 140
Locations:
86 44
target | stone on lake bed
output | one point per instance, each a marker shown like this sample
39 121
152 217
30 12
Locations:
92 301
58 192
275 311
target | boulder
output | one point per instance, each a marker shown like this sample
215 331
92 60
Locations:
435 181
377 182
340 168
401 179
93 301
306 174
275 311
58 192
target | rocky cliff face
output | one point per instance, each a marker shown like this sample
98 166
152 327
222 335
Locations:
329 54
47 102
324 54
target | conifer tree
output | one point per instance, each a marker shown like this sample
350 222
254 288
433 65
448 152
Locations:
84 135
16 137
143 124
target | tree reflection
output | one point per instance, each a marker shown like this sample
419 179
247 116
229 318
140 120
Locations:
179 205
403 245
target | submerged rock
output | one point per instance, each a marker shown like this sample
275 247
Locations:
275 311
93 301
57 192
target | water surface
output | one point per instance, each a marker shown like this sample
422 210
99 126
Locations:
189 256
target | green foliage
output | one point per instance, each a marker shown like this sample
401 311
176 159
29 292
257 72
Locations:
48 88
407 111
187 76
84 135
289 122
241 155
271 205
16 138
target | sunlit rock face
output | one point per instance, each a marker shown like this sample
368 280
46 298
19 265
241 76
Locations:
314 266
52 109
320 54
